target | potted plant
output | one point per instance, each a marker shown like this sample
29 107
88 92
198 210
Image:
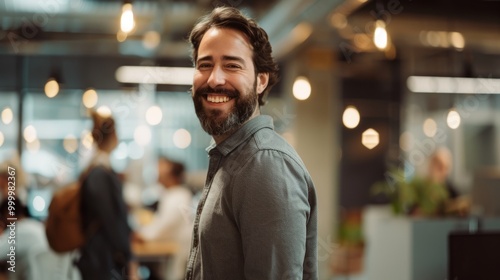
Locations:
347 258
416 196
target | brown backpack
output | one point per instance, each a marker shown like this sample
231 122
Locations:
64 225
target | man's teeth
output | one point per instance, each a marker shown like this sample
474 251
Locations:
218 98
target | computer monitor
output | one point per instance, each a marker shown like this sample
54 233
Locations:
486 192
474 256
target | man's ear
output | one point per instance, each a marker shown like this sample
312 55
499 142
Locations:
262 80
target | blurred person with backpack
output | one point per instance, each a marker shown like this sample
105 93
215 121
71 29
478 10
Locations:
106 253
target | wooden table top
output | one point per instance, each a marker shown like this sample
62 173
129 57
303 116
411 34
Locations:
154 248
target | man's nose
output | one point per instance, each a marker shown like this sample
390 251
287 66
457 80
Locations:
217 77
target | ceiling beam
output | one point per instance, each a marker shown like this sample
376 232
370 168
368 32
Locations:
289 18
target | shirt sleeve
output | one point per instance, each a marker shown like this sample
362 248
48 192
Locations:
271 208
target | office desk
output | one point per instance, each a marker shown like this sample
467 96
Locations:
155 255
154 249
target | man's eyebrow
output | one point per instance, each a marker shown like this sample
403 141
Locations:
225 57
205 58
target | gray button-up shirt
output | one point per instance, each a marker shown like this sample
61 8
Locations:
257 218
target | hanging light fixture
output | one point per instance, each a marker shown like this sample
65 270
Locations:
51 88
301 88
370 138
90 98
430 127
127 22
453 119
30 134
351 117
154 115
7 115
380 37
53 84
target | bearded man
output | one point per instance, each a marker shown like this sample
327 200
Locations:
257 217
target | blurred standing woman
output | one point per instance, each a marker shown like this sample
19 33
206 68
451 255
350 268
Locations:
107 252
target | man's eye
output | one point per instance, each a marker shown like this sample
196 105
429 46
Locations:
204 65
233 66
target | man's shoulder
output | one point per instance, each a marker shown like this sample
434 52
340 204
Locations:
266 147
269 140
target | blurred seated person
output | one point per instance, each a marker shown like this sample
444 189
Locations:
172 221
440 165
29 239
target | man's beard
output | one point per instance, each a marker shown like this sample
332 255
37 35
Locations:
213 121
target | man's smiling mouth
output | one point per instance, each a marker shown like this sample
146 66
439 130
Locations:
218 98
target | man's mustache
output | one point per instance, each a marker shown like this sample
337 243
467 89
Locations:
218 90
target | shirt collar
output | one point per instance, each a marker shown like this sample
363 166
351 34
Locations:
241 135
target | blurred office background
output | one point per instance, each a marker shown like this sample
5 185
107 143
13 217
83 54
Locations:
368 89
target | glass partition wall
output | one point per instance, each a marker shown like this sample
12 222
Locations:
57 144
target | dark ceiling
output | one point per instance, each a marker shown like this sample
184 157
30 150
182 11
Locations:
63 34
477 20
481 10
77 37
64 27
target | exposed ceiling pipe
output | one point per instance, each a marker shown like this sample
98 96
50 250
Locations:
289 23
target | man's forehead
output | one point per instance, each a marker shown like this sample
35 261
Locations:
217 33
